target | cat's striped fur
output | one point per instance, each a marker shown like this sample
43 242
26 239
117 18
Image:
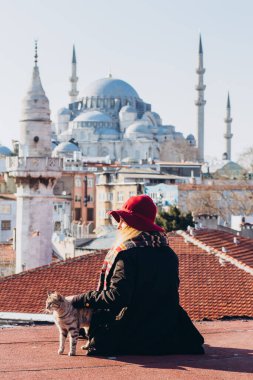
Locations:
68 320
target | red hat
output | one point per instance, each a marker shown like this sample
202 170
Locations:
138 212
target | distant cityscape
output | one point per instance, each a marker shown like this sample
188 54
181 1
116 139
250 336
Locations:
107 144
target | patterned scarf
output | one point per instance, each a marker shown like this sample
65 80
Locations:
145 239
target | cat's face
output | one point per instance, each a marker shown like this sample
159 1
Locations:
54 301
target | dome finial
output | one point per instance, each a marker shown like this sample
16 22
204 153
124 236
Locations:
74 54
200 44
74 78
110 72
36 52
228 101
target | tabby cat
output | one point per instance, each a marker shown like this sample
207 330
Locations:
68 320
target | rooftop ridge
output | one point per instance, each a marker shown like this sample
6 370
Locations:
215 251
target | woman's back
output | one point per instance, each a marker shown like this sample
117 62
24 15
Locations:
149 324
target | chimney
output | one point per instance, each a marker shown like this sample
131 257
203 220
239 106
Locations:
235 240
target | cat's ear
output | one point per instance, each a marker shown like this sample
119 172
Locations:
60 297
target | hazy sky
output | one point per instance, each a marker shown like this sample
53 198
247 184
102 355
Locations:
151 44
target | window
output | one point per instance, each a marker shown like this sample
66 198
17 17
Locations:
77 213
110 196
153 196
90 214
132 193
5 225
120 196
57 226
78 198
90 182
78 182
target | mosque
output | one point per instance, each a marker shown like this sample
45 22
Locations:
111 119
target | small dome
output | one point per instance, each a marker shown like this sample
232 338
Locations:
64 111
191 140
139 128
66 147
4 151
95 116
110 88
157 117
190 137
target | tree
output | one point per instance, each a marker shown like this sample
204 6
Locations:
174 220
177 150
222 200
246 159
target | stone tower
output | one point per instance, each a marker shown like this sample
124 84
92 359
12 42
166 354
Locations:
73 93
228 135
35 173
200 103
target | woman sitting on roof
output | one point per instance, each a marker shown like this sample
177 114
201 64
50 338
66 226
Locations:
136 307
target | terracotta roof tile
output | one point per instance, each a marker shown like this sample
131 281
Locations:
242 251
209 287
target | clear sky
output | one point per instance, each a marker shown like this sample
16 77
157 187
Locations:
151 44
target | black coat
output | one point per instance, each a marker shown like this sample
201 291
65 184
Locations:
139 313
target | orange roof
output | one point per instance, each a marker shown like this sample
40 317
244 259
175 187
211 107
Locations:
241 250
7 196
209 287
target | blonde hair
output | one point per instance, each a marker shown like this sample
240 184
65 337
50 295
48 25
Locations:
126 233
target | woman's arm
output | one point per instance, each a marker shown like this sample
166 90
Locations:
120 291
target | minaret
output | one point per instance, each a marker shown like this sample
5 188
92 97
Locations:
73 79
35 173
200 103
35 123
228 135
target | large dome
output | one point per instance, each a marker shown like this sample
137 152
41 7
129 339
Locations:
110 88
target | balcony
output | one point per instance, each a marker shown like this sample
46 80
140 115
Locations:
34 166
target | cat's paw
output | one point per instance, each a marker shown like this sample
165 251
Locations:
71 353
60 351
85 346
